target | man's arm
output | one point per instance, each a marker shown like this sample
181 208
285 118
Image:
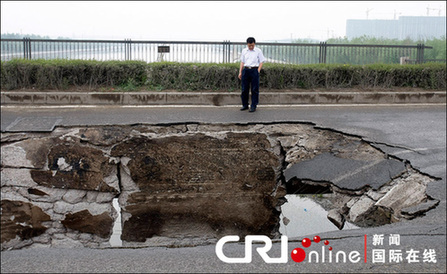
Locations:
241 67
261 59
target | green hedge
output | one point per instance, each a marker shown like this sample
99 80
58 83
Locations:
138 75
427 76
63 74
187 76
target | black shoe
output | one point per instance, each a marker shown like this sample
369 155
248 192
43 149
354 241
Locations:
244 108
252 109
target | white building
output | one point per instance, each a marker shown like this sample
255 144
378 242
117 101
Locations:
413 27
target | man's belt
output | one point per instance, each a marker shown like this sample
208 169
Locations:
251 67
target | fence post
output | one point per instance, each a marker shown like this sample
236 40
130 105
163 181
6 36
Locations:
323 52
229 52
319 54
420 53
226 51
223 51
29 48
127 49
26 48
130 49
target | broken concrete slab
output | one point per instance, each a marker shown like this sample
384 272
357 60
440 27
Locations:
33 124
336 218
409 192
387 204
375 174
365 213
85 222
346 173
420 208
75 166
21 219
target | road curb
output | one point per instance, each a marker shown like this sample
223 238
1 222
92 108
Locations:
218 98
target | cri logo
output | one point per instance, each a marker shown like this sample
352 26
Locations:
298 254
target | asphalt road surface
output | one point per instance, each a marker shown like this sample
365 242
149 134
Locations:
414 133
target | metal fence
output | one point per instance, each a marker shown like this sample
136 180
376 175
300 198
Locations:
207 52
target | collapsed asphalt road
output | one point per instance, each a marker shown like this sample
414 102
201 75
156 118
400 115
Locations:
416 134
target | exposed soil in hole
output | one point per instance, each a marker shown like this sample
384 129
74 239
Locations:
189 184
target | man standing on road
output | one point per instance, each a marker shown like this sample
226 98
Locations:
252 60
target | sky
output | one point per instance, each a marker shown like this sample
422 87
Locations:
201 20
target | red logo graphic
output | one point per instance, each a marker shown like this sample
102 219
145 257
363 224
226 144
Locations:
298 254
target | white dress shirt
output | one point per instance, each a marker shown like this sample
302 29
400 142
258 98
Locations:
252 58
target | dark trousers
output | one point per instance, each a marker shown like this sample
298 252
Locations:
250 77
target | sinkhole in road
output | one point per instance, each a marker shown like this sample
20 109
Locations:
190 184
203 181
